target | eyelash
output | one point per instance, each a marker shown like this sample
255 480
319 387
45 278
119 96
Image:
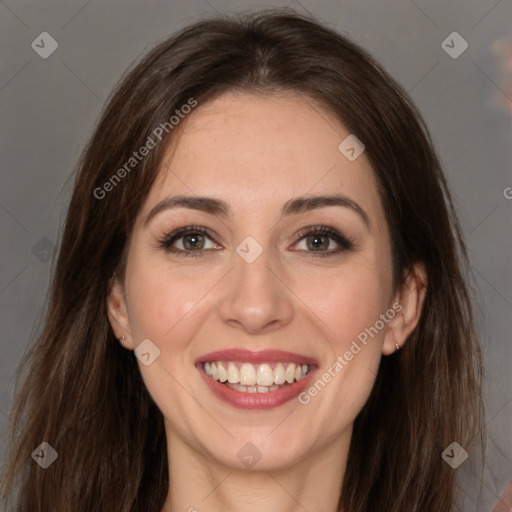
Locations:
344 243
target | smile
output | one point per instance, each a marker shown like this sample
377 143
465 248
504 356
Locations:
256 380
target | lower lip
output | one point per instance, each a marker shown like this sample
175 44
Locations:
256 401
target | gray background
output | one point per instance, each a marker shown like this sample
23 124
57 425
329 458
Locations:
48 108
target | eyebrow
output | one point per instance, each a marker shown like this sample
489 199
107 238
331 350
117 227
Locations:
293 206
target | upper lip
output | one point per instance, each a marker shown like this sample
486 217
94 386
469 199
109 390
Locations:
260 357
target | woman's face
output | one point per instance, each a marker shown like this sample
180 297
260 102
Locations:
268 273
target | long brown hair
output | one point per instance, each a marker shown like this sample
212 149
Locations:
82 392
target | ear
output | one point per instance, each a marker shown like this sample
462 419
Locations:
117 313
408 303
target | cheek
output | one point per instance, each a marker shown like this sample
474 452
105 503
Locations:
167 307
161 300
349 304
349 307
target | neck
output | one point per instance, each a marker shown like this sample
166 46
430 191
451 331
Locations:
198 483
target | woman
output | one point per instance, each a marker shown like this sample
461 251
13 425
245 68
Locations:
260 297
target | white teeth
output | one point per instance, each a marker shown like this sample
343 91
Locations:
247 375
233 374
279 374
290 373
257 378
265 375
237 387
223 374
251 389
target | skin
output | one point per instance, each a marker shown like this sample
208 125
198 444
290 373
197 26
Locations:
256 153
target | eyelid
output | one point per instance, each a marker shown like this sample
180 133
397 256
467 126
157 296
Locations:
344 243
184 230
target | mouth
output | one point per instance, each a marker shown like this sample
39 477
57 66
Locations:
256 380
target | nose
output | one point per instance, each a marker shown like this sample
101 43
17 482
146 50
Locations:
255 297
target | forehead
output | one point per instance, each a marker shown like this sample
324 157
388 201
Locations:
249 149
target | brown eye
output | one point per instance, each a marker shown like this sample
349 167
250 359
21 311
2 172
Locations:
322 240
193 242
317 242
189 240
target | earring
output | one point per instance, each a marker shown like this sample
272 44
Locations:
122 337
397 346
